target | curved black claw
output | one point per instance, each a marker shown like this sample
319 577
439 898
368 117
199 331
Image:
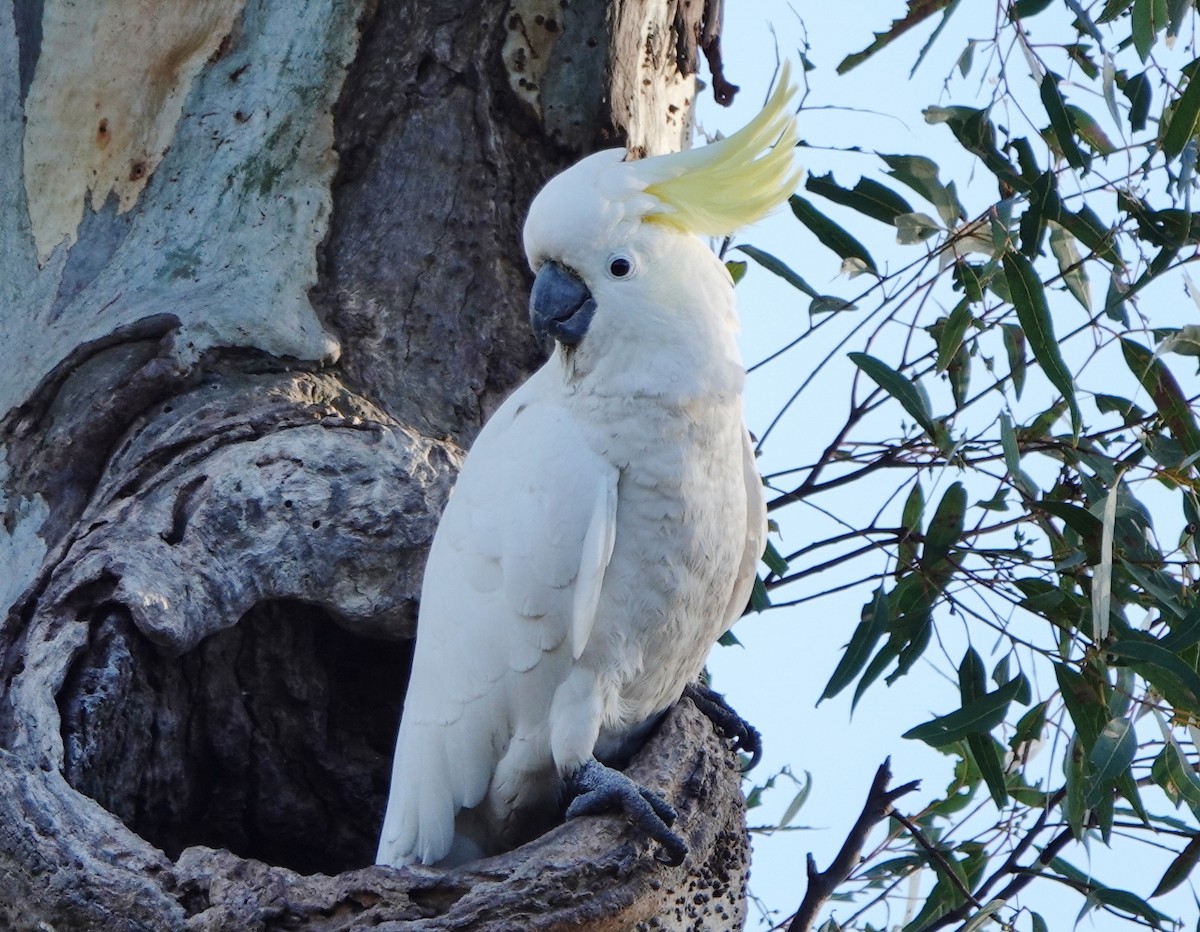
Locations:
745 737
597 789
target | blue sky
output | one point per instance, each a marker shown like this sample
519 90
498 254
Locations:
788 655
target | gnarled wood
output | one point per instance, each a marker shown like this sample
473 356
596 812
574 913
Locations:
235 395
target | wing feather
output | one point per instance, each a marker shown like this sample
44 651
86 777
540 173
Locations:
756 537
510 593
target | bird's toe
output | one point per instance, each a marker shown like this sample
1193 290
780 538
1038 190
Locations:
598 789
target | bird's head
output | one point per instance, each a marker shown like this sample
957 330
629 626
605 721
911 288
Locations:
612 238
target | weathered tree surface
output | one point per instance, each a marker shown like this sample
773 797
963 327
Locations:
260 283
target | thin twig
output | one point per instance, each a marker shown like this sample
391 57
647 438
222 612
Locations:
823 884
944 867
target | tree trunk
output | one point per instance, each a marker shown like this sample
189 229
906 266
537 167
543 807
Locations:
260 283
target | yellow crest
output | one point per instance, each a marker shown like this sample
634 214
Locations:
732 182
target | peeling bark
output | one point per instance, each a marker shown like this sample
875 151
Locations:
236 392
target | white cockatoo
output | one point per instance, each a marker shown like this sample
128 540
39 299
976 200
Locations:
607 524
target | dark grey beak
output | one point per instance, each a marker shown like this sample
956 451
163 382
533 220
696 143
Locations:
560 305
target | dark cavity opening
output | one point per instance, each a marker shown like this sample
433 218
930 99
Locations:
273 738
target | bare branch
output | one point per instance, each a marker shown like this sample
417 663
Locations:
822 884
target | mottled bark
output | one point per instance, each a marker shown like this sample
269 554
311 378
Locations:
260 282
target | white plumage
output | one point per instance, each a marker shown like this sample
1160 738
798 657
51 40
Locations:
607 523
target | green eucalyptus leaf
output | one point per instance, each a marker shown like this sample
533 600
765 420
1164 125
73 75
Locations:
1110 756
1180 869
1061 122
1160 667
1145 26
910 397
921 174
1014 348
778 267
867 197
1070 264
1139 92
953 332
1184 115
910 520
978 717
1030 302
1169 399
918 11
829 233
871 627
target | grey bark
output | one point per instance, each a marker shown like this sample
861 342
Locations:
242 361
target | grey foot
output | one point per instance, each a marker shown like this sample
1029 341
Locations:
745 737
597 789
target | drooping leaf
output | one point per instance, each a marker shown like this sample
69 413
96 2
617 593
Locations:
1184 115
1024 9
972 682
1146 25
1169 399
867 197
1157 665
975 718
797 802
1110 756
778 267
915 228
966 58
774 560
1061 122
1014 348
1087 129
910 520
1075 771
870 629
1070 264
1008 443
987 758
952 333
1114 300
1127 902
1102 578
1172 772
1030 302
921 174
1109 84
1045 207
1085 705
945 529
1097 236
974 130
760 601
830 304
900 388
1180 869
736 270
1139 91
829 233
918 12
1029 727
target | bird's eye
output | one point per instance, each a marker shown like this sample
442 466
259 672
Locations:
620 266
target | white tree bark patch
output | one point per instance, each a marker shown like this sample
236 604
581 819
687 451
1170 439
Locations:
96 125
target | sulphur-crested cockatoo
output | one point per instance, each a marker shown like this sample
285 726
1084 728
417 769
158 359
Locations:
607 524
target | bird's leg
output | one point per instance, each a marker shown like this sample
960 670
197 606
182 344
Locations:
597 789
745 737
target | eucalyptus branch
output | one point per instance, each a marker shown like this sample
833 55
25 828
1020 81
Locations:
823 884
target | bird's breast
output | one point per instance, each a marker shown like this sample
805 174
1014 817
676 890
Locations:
681 528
